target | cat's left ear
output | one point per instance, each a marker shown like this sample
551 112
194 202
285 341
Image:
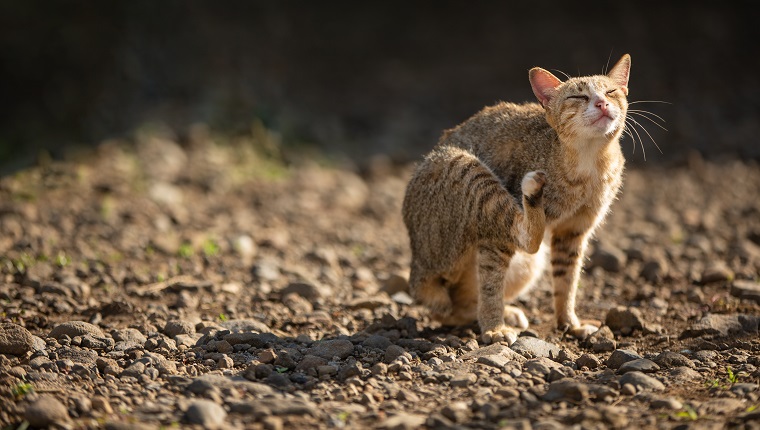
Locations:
620 72
544 84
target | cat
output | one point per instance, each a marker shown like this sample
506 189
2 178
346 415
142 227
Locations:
509 188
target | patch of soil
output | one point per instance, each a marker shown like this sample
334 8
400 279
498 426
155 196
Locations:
208 286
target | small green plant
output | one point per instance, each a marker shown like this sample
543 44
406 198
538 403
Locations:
343 416
687 413
223 317
185 250
62 260
280 369
733 378
210 248
22 389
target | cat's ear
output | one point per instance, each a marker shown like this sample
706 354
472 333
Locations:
544 84
620 72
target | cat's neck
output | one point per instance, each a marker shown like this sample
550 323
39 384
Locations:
590 157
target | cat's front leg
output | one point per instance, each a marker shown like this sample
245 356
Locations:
492 264
568 246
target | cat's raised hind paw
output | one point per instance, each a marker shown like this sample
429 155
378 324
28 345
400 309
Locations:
500 334
533 183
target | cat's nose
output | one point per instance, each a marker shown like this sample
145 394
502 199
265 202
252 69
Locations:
602 104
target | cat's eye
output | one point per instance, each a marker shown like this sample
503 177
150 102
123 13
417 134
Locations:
580 96
612 91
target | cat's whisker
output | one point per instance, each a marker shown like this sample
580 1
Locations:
650 101
642 115
641 141
646 112
647 132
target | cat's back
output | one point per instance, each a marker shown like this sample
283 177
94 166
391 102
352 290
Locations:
503 123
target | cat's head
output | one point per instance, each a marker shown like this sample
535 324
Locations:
587 107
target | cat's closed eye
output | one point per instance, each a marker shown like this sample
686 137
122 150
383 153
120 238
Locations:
612 91
580 96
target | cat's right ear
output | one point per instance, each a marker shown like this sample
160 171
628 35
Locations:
544 84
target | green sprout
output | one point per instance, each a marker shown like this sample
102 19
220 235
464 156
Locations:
210 248
22 389
223 317
280 369
688 413
185 250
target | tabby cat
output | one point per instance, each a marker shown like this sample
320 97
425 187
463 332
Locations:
484 205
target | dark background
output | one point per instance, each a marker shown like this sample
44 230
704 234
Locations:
361 78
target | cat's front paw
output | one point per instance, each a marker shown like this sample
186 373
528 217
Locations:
502 333
533 184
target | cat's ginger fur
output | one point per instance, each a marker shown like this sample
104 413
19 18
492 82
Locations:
513 175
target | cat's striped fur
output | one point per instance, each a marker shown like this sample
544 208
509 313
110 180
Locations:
481 202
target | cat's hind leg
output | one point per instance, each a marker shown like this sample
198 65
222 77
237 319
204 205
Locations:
492 262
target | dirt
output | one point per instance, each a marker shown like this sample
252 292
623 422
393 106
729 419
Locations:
208 285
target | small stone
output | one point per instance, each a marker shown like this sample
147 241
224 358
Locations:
601 340
47 411
463 380
747 290
403 421
641 381
566 390
620 356
607 257
267 356
15 340
392 353
205 413
668 359
129 335
530 347
588 360
328 349
717 271
457 412
622 318
666 403
714 325
377 342
306 290
395 284
101 404
76 328
177 327
639 365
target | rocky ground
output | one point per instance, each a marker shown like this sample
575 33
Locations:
159 285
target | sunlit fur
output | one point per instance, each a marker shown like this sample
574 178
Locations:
482 200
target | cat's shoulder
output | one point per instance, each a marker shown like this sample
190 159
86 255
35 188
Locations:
527 109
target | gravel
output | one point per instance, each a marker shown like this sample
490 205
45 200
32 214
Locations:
241 294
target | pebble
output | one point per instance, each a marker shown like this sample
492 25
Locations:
463 380
588 360
177 327
530 347
246 325
748 290
47 411
306 290
717 271
624 319
668 359
607 257
639 365
620 356
76 328
714 325
206 413
601 340
566 390
641 381
328 349
666 403
403 421
15 340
